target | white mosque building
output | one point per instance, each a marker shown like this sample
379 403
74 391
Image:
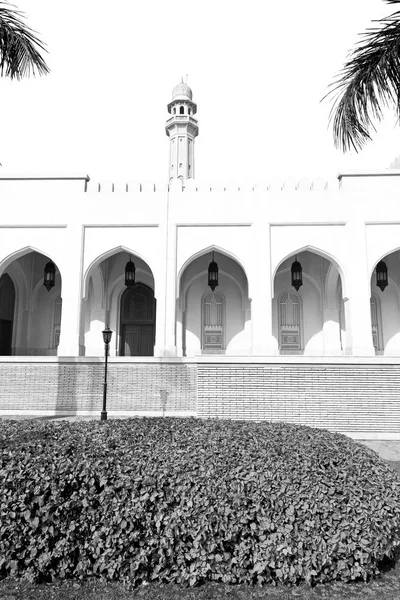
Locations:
279 300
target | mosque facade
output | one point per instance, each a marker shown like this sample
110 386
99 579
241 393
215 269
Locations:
278 300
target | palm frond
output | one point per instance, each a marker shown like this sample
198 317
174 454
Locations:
368 82
19 47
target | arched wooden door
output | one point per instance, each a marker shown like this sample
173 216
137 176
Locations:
290 335
138 318
7 303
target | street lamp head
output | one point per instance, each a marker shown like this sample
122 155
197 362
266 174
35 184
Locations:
107 333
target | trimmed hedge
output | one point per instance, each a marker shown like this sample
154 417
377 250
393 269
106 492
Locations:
187 500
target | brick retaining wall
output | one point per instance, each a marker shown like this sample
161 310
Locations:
341 397
361 399
71 387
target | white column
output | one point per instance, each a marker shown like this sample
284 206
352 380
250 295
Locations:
170 339
71 277
357 295
263 342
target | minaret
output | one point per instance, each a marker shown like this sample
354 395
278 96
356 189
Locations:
181 128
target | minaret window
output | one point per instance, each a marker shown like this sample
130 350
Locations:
182 110
174 110
190 112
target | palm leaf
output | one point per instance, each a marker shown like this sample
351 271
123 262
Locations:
19 47
368 82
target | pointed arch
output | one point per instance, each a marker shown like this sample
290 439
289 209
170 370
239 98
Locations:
6 262
99 259
203 252
319 252
382 257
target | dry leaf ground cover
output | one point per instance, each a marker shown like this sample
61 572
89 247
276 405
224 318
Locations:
184 508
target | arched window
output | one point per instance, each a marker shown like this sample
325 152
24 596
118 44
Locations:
376 320
213 312
138 317
290 334
189 111
182 110
174 110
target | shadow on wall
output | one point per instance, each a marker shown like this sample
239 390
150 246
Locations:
80 387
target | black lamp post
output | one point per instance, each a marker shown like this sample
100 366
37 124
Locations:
130 272
49 275
213 274
381 275
297 275
107 333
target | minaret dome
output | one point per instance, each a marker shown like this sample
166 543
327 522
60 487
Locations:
182 91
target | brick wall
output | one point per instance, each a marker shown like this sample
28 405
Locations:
341 397
362 400
69 387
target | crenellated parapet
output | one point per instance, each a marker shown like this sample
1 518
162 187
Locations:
192 185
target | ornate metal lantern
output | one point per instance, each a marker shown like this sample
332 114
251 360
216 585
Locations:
213 274
381 275
49 275
297 275
107 333
130 272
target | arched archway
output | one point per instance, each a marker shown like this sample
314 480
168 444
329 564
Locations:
385 307
137 322
213 323
36 313
104 290
315 321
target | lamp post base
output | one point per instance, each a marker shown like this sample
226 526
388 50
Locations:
103 416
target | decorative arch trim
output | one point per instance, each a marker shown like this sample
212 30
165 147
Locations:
19 253
108 254
319 252
205 251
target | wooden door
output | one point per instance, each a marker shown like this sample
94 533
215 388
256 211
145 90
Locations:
5 337
138 312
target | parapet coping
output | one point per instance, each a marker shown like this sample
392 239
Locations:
207 359
44 176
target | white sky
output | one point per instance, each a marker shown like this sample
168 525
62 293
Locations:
258 71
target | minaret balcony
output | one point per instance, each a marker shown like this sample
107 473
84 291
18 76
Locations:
177 118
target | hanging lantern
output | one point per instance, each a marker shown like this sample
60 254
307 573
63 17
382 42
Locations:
381 275
213 274
297 275
49 275
130 272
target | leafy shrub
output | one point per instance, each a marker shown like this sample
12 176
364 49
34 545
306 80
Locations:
187 500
